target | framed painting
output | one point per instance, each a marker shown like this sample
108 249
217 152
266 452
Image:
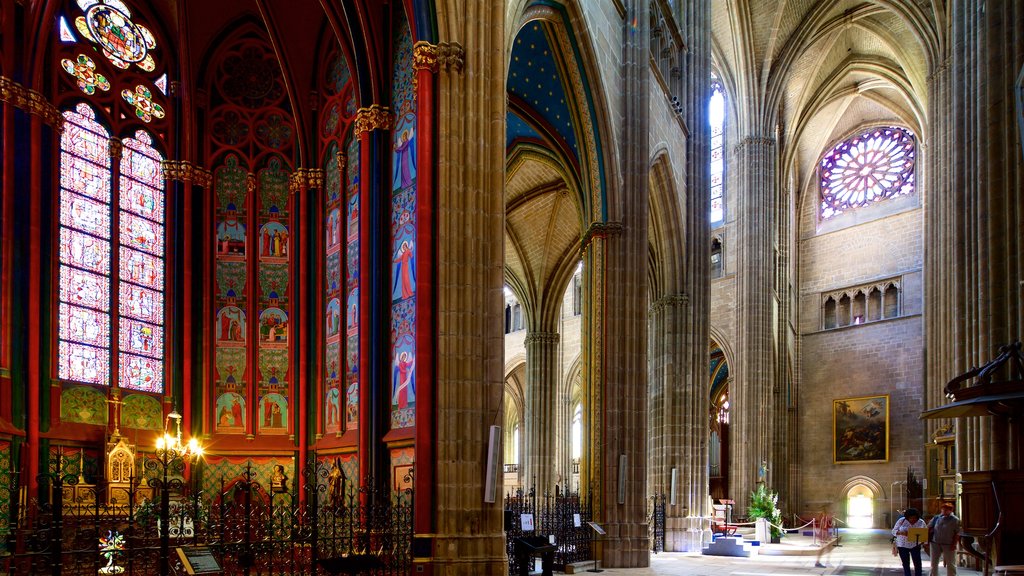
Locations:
860 429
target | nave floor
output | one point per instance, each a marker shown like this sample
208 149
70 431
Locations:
861 553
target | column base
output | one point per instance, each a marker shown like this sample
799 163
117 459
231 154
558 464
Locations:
686 534
626 546
465 555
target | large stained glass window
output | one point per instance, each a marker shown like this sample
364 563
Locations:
716 117
88 285
874 165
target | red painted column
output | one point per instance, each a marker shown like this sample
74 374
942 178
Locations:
8 254
425 64
186 294
34 317
303 311
252 251
363 129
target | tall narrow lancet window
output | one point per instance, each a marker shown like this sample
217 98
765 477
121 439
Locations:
111 207
872 166
341 247
716 117
250 139
403 230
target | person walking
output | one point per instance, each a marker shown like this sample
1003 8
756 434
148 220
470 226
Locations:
908 549
943 539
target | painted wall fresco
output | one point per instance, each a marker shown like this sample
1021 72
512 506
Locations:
341 249
274 389
218 471
253 133
141 412
403 232
231 328
83 405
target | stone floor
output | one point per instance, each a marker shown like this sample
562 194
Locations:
861 553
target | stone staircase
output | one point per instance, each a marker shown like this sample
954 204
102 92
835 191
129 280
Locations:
732 546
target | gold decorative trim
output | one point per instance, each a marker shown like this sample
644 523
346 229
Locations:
305 177
424 56
452 56
179 170
202 177
250 183
31 102
376 117
341 159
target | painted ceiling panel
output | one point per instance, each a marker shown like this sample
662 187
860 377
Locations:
536 79
518 129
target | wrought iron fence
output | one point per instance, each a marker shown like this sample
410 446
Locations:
563 514
249 529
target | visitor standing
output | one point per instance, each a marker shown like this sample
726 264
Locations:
943 538
908 549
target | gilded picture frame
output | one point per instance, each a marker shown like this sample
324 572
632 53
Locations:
860 429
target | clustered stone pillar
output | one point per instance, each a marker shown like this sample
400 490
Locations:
752 398
540 413
623 428
468 539
974 219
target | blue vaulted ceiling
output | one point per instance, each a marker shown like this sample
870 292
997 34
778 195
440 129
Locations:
539 106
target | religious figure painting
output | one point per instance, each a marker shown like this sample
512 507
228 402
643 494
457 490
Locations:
333 317
274 240
230 412
860 429
333 228
333 407
231 237
403 378
404 268
274 326
231 325
274 414
404 173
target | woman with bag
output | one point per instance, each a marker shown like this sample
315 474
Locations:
908 549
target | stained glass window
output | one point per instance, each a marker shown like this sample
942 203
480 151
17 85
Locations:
87 326
141 217
872 166
84 310
716 117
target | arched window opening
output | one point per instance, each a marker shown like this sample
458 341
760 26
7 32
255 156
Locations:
111 236
874 305
717 266
859 308
892 302
872 166
577 291
716 117
830 313
517 318
516 435
508 318
843 312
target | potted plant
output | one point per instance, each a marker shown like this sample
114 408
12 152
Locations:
764 504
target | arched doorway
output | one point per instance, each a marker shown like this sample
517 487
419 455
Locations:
860 507
718 444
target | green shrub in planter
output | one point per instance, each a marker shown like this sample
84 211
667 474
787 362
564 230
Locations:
764 504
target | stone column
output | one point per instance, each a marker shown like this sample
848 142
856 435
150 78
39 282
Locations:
973 229
754 425
541 392
468 539
622 475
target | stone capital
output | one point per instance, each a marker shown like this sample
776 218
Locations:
201 177
601 230
376 117
452 56
30 101
425 56
671 301
541 338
